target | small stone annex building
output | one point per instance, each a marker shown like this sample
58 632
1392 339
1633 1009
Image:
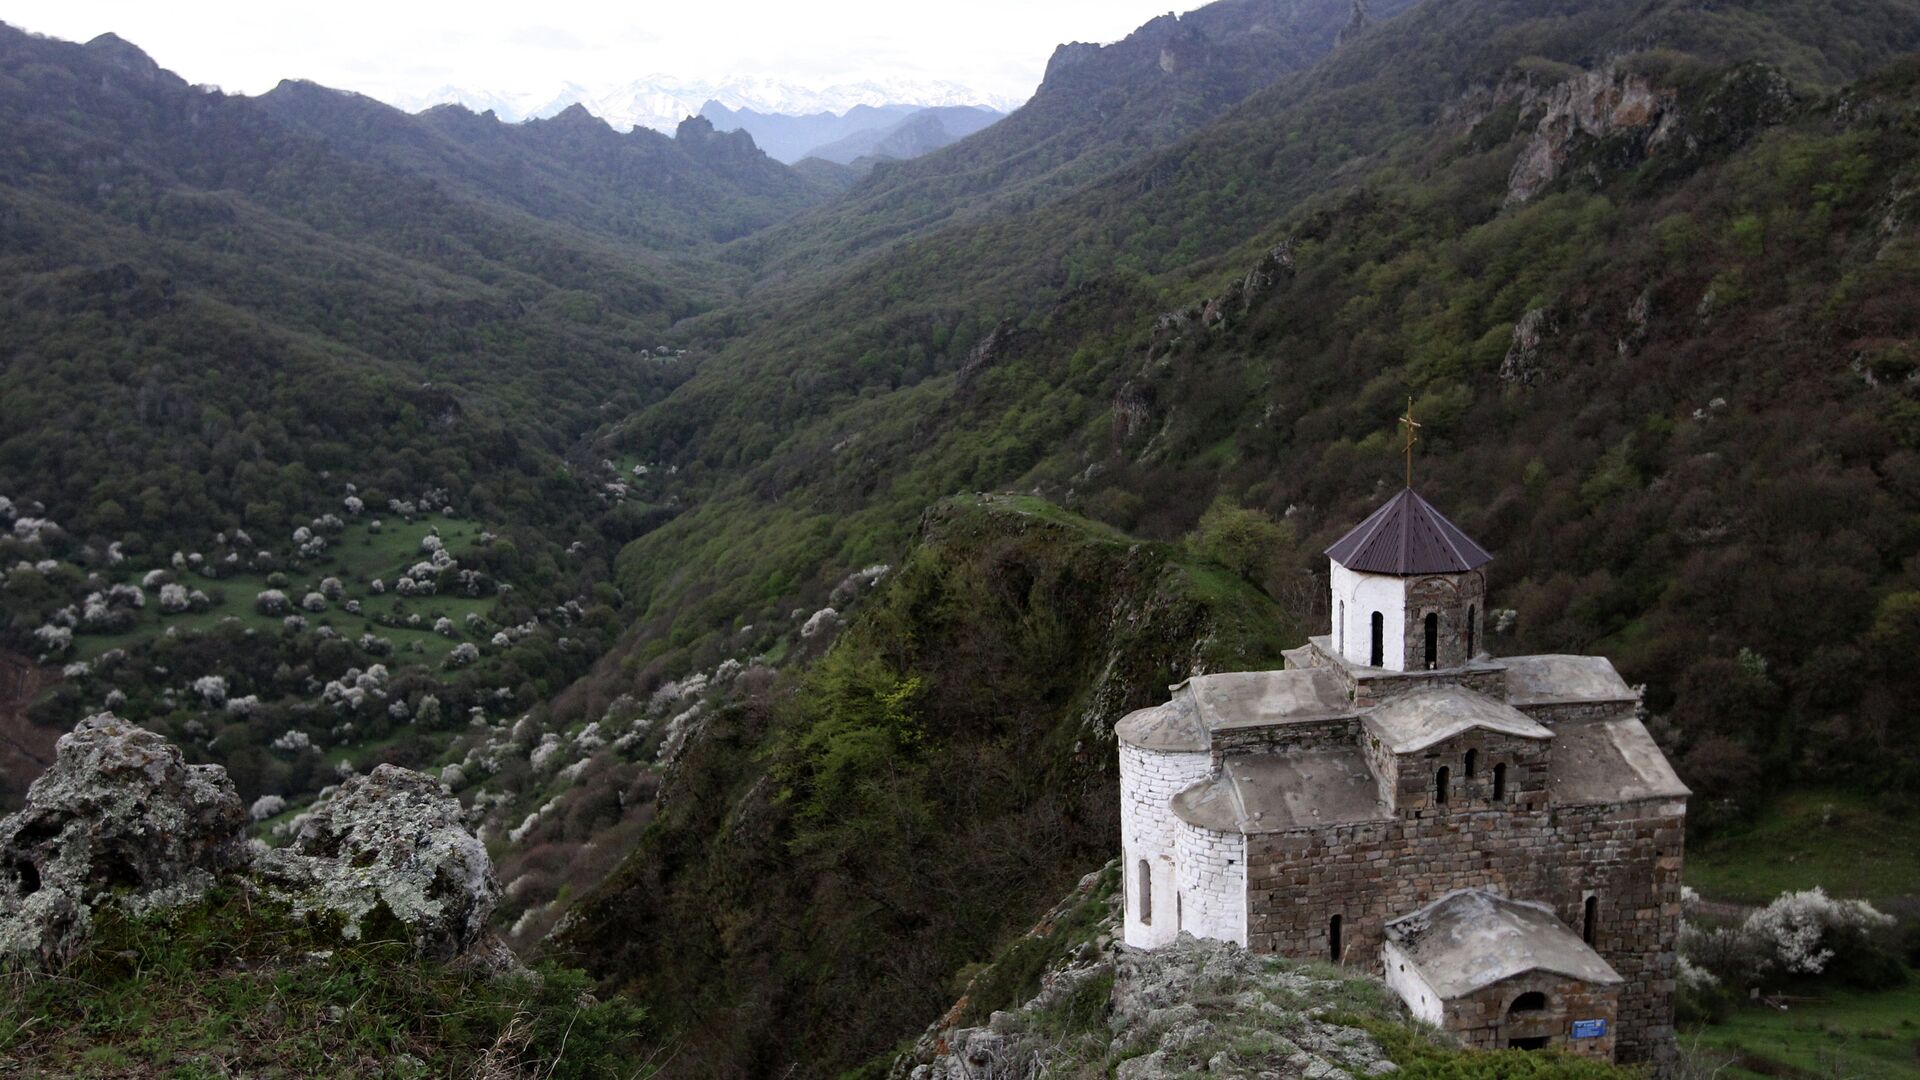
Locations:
1499 838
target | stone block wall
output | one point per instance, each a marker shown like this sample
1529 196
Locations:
1337 733
1149 779
1486 1018
1576 712
1212 872
1414 788
1487 677
1455 600
1626 857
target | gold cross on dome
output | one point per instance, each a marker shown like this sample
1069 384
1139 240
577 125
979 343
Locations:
1412 427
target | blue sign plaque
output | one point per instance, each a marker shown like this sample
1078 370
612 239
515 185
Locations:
1589 1029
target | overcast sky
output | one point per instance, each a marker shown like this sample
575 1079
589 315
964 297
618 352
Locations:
393 48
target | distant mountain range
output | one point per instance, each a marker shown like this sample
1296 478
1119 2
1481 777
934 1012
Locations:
862 133
660 102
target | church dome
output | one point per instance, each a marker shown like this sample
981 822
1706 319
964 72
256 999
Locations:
1407 536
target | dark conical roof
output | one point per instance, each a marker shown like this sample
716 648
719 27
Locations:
1408 536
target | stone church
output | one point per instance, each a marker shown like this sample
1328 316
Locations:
1499 838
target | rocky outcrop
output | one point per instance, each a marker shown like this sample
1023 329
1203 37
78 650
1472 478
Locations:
1004 342
1523 364
121 820
389 845
1359 22
1192 1007
1589 106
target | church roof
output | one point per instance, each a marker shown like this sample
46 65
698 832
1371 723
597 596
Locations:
1408 536
1261 698
1552 679
1302 788
1174 725
1609 761
1417 720
1468 940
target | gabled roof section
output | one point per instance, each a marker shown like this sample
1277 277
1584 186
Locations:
1417 720
1408 536
1469 940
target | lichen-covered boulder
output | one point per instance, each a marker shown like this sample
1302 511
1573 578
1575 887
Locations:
388 845
119 818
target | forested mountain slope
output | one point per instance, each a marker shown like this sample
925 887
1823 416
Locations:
1655 303
211 291
826 859
663 193
1098 108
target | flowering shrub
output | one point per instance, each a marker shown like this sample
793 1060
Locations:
1798 935
1801 931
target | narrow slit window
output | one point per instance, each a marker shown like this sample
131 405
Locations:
1473 760
1342 623
1442 780
1433 640
1589 919
1146 893
1499 782
1333 939
1378 657
1470 633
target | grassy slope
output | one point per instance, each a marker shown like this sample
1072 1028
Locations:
1845 1033
233 987
357 556
1847 842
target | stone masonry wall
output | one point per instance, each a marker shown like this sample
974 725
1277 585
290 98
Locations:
1488 679
1453 599
1149 779
1416 775
1626 857
1212 868
1579 712
1486 1018
1338 734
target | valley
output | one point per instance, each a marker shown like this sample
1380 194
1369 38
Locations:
763 553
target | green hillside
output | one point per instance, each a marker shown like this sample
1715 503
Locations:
828 857
762 703
1714 425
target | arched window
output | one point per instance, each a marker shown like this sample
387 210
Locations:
1473 759
1146 893
1470 633
1433 640
1442 780
1379 656
1530 1002
1499 782
1333 938
1589 919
